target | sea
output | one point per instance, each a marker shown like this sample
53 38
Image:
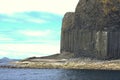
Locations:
57 74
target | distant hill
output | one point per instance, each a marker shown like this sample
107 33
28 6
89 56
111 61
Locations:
5 59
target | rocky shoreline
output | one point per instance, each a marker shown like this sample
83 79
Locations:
62 61
75 63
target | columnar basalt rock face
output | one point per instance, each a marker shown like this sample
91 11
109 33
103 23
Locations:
67 33
93 30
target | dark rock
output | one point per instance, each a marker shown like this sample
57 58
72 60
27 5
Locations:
93 30
68 22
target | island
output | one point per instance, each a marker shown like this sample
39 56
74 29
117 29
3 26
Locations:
90 39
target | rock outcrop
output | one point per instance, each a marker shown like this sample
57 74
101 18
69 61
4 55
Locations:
93 30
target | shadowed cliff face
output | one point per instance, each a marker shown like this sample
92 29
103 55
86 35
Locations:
93 30
66 32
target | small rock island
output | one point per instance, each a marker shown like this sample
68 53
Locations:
90 39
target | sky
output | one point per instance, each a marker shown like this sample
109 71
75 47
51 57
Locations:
32 27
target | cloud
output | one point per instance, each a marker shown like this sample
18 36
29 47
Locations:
27 50
53 6
31 17
4 38
29 36
37 33
9 20
36 20
15 18
34 33
3 53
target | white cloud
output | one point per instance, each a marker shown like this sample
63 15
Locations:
4 38
22 17
54 6
3 53
9 20
36 20
34 33
27 50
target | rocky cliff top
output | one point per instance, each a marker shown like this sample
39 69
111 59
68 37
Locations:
68 21
98 14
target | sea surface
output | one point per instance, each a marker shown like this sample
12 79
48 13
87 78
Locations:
57 74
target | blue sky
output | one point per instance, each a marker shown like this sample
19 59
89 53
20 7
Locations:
31 27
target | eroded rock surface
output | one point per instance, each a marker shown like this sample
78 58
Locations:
93 30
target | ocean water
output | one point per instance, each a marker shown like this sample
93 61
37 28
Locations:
57 74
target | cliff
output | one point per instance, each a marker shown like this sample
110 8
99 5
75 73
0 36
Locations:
93 30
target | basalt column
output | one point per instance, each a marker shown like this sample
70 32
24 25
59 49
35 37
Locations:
67 33
93 30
